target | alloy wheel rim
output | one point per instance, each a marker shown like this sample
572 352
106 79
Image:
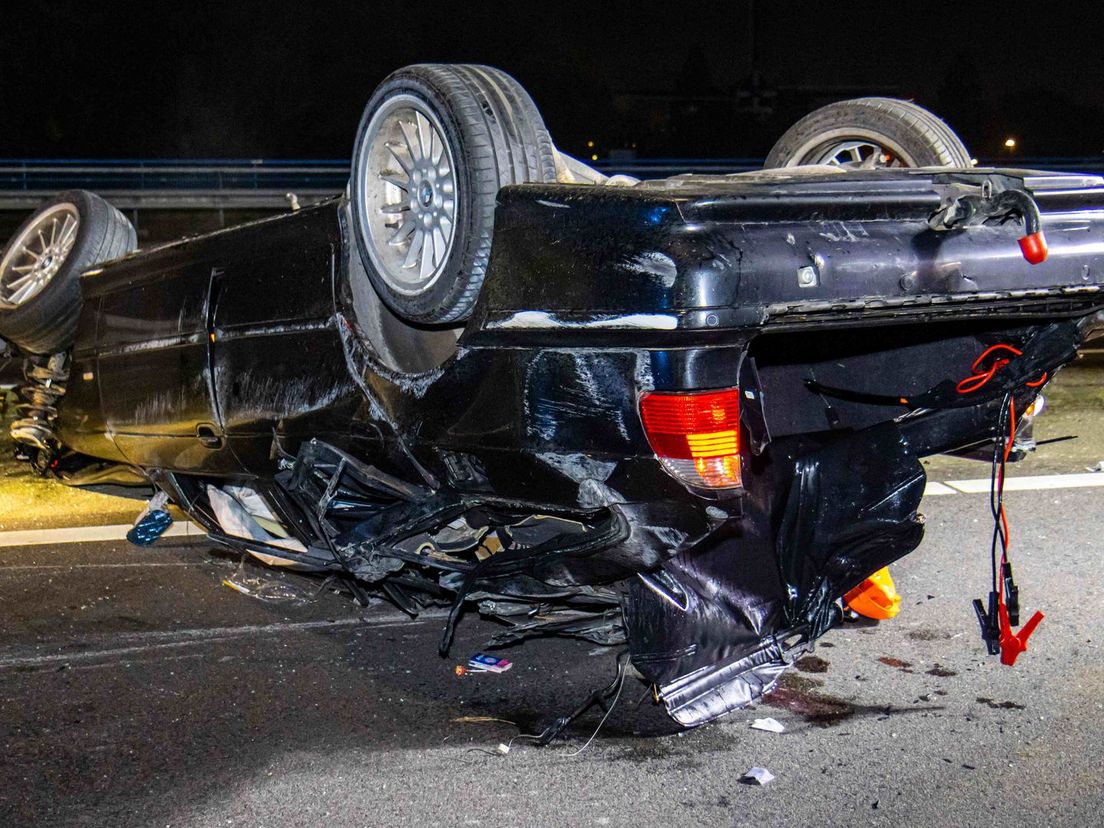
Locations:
853 149
860 155
409 195
37 254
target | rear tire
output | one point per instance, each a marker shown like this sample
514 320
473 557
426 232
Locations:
40 304
861 133
435 144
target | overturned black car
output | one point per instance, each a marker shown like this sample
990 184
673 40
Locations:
684 414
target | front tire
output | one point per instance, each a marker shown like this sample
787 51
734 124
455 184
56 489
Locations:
435 144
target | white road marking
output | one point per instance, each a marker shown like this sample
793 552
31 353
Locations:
88 534
1031 484
134 565
934 489
170 639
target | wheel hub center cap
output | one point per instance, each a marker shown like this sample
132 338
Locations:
425 194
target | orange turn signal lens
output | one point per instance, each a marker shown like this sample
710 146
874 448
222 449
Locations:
696 435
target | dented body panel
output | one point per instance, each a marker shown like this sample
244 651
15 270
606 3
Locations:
517 473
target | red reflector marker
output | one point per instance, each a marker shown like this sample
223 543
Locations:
696 435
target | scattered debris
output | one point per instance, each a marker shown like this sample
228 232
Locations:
1097 467
502 749
768 724
757 776
606 698
483 663
271 586
940 671
481 720
152 522
1004 705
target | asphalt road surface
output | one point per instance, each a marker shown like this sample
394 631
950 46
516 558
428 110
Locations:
136 689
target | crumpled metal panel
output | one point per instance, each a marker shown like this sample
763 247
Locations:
710 692
708 632
850 511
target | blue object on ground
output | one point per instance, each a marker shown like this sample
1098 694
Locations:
146 531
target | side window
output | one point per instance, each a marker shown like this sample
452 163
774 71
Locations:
165 308
282 288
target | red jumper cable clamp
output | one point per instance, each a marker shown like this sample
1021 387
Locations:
1003 610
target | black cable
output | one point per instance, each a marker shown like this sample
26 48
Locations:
996 488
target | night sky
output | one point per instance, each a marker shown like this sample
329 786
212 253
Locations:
267 80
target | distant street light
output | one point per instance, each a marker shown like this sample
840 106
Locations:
1010 144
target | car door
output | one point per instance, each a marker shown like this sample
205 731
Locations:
154 367
280 370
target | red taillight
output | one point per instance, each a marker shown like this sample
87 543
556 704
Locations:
696 435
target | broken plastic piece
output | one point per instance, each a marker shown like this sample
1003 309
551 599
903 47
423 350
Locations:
757 776
152 522
768 724
150 528
876 597
270 586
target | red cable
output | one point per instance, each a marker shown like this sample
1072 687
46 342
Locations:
980 376
1011 643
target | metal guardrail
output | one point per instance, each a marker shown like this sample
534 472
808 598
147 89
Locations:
166 184
264 184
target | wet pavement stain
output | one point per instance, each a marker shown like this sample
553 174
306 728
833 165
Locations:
903 666
1004 705
928 635
812 664
940 671
797 695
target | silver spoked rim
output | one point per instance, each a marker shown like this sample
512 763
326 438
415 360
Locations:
409 195
854 152
37 254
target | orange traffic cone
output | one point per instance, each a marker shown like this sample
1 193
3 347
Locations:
876 597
